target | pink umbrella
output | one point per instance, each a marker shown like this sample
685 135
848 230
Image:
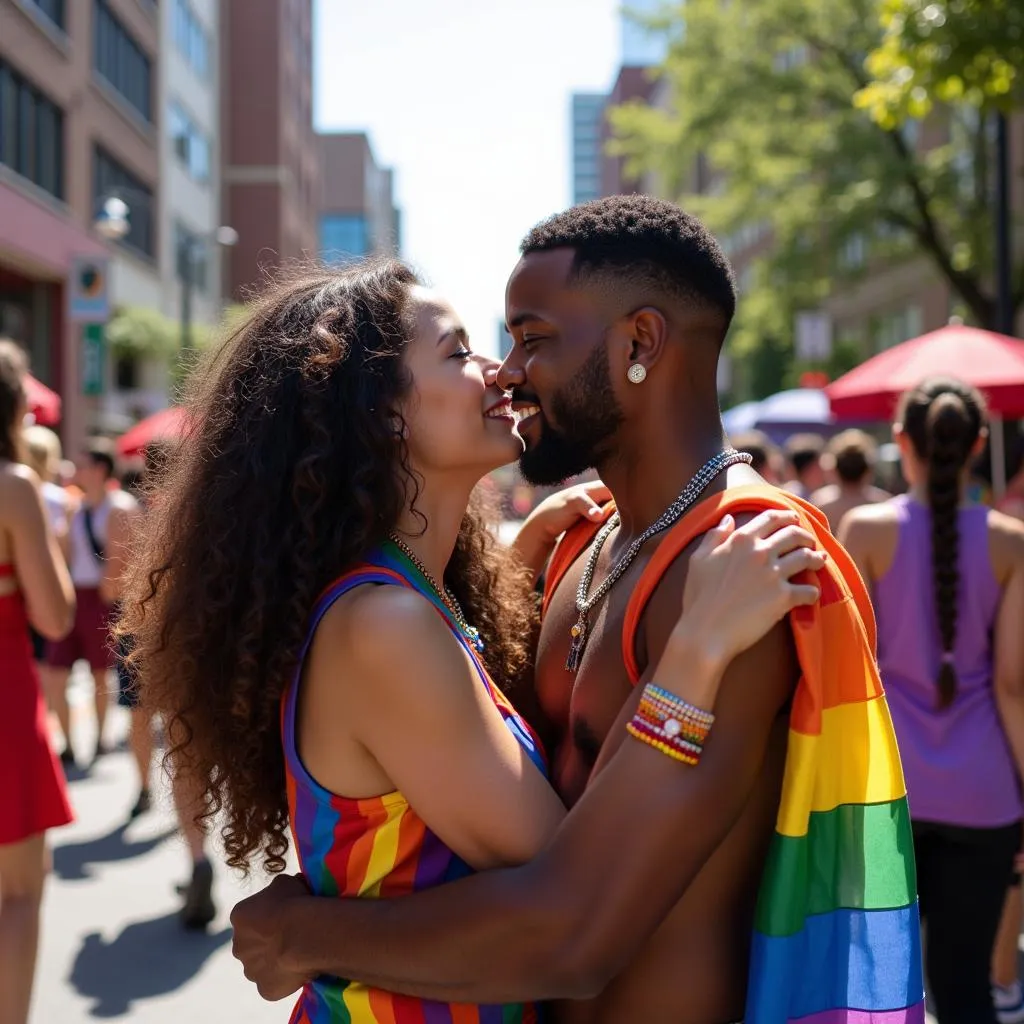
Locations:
43 403
993 363
165 425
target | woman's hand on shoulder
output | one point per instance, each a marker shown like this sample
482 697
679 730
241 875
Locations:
742 580
388 666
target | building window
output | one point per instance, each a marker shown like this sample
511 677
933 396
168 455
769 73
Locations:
109 179
190 250
121 61
191 39
190 144
853 253
343 236
53 9
894 328
31 133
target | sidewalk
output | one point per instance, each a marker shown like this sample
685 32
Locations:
112 947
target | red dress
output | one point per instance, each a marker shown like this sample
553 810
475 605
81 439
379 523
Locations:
33 793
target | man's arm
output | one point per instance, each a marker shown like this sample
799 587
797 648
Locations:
567 922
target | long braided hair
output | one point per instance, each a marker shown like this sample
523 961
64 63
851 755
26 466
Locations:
943 419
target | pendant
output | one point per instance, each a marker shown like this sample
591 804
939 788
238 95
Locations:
579 640
473 636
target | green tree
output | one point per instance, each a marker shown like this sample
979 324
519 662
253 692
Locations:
947 51
768 102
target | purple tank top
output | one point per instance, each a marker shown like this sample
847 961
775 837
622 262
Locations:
957 761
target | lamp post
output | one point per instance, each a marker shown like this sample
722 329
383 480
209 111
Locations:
113 222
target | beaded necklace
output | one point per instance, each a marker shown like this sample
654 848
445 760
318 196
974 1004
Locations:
444 593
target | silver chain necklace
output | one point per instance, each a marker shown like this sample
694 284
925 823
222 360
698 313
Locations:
444 593
690 493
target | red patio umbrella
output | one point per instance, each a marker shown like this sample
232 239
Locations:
993 363
165 425
43 403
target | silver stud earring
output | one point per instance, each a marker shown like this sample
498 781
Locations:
637 373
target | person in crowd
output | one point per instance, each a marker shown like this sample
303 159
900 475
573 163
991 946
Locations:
803 454
850 456
36 591
97 542
198 907
351 420
43 454
618 310
765 456
948 584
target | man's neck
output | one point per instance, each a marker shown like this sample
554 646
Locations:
646 477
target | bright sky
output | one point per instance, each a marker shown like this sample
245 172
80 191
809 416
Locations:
469 102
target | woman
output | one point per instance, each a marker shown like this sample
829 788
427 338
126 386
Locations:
948 583
341 432
35 590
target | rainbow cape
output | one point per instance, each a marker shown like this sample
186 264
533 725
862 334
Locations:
837 936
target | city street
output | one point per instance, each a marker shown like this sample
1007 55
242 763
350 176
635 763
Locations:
112 947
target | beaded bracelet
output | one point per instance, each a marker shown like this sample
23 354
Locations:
670 724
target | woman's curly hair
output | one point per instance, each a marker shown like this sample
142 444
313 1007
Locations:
293 468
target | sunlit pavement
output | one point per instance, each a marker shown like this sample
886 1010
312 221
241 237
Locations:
112 947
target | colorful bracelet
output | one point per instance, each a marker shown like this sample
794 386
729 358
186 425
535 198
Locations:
670 724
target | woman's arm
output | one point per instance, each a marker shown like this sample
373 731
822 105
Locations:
1009 656
392 702
38 563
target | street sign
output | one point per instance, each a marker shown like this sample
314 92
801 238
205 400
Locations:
93 359
88 290
813 336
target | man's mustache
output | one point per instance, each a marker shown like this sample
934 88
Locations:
526 397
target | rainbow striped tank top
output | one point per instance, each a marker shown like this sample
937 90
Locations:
379 846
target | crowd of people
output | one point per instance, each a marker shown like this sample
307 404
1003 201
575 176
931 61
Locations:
601 776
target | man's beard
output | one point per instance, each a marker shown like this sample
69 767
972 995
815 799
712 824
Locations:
589 416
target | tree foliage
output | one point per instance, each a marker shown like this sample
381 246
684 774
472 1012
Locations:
764 130
945 51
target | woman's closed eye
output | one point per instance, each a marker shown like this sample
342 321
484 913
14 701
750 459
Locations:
462 352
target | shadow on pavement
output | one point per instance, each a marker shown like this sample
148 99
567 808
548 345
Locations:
148 959
71 861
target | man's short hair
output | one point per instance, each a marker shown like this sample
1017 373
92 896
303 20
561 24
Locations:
803 450
100 452
757 445
853 455
646 240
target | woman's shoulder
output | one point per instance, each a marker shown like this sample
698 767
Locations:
382 625
1006 542
18 480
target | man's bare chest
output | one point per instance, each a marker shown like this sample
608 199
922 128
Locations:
586 704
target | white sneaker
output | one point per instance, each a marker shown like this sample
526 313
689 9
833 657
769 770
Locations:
1008 1001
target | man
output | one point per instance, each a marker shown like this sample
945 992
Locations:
96 545
851 456
803 454
618 310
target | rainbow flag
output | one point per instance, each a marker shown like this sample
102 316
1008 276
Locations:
837 935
